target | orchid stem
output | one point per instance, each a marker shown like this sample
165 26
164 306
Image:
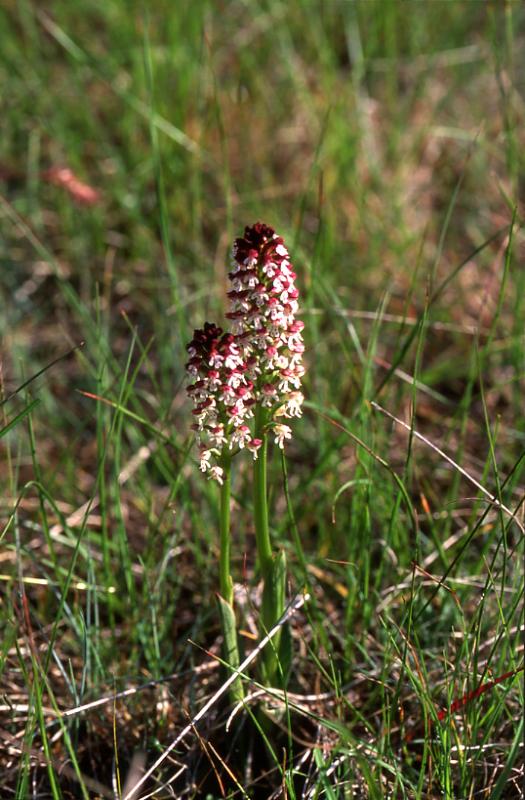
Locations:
260 494
225 580
271 573
229 629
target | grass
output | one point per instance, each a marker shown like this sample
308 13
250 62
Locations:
384 141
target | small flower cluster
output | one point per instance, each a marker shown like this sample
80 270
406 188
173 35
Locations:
258 363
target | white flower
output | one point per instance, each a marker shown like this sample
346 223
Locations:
217 474
217 436
205 460
281 432
293 404
241 436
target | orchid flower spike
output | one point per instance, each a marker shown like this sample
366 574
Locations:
258 363
264 307
222 394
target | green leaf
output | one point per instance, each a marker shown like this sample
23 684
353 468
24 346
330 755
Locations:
230 646
19 417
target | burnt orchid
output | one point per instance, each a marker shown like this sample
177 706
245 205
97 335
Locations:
258 364
264 302
245 383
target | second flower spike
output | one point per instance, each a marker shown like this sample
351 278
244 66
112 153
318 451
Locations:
222 394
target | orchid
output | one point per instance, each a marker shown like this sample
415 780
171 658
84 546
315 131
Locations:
245 382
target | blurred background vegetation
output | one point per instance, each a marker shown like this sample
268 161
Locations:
385 141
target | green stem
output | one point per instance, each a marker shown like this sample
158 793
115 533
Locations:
225 580
272 567
260 495
228 622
